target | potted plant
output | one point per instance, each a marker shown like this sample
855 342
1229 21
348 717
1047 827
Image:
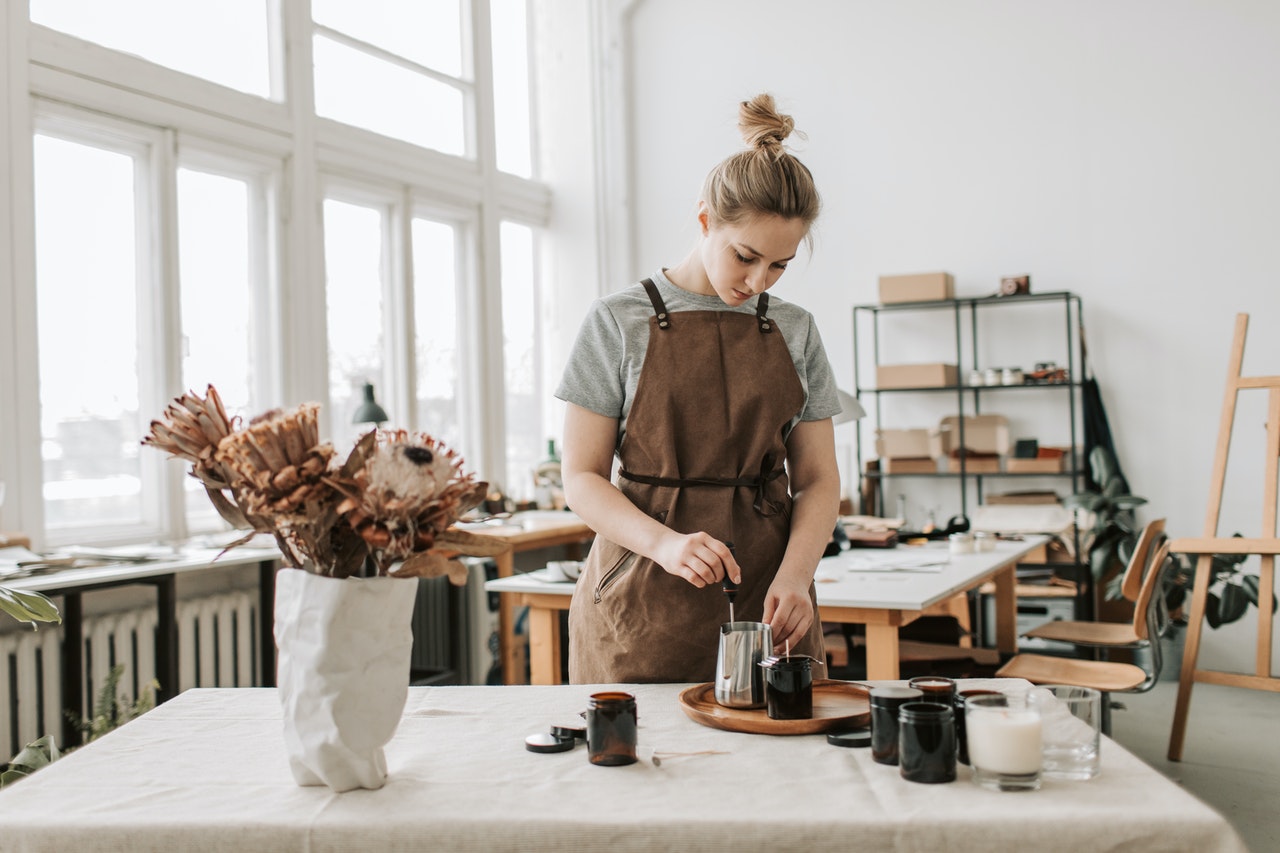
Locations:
1111 523
354 532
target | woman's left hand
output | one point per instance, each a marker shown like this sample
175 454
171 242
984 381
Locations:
789 611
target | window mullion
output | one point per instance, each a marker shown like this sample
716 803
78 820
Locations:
488 343
160 310
304 330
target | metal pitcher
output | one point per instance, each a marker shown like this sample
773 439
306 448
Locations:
739 679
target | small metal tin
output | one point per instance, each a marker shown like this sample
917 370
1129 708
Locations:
547 742
859 738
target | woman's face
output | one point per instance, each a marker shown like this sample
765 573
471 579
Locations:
745 259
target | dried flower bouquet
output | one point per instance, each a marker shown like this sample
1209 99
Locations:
388 509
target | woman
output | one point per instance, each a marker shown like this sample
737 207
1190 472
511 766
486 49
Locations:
718 401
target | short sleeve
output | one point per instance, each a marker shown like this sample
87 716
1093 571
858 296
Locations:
823 401
592 376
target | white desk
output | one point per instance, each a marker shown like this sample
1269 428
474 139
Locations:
206 773
71 583
883 601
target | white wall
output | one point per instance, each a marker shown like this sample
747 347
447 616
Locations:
1126 150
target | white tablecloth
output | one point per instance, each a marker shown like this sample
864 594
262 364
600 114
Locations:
206 772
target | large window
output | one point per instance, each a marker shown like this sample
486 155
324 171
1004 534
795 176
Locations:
190 230
394 68
225 42
354 269
87 257
436 279
225 267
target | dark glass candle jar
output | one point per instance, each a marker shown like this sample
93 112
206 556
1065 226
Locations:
962 743
788 687
936 688
927 742
885 702
611 728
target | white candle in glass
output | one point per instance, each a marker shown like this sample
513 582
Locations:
1004 740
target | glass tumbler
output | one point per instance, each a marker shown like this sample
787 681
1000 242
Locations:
611 728
1071 724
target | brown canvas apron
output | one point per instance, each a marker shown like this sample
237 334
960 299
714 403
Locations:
703 450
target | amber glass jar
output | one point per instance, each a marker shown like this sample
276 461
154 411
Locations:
611 728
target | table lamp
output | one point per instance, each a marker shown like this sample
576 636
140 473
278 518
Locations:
370 412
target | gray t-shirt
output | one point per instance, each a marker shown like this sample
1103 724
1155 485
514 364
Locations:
604 365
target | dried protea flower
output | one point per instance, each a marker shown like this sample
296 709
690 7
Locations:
191 428
403 499
280 465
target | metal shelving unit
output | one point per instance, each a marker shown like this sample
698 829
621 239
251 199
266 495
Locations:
969 399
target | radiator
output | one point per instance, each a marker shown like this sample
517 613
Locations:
455 641
217 648
455 629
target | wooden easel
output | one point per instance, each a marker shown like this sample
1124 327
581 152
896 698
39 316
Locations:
1267 546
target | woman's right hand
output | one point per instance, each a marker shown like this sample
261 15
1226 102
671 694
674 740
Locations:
699 558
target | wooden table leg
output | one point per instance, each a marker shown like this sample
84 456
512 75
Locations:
506 563
544 645
1006 610
882 652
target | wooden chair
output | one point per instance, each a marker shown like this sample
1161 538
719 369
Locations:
1104 675
1113 635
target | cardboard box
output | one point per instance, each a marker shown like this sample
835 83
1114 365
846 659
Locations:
932 375
909 466
988 434
974 465
902 443
918 287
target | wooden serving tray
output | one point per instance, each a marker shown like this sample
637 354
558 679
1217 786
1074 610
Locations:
837 706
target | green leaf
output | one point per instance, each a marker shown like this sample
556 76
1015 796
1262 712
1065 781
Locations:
1212 611
37 754
28 606
1250 585
1103 465
1084 500
1233 604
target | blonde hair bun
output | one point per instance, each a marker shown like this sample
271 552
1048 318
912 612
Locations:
762 126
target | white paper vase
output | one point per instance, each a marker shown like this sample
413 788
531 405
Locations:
344 651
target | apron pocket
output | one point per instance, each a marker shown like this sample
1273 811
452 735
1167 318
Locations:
620 567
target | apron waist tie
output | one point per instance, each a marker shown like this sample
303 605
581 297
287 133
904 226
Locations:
762 504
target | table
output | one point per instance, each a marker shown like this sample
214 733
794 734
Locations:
71 583
206 773
882 601
526 531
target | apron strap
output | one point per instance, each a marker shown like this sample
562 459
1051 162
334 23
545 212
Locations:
762 504
659 307
762 309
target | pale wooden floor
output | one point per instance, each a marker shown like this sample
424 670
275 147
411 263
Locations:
1231 757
